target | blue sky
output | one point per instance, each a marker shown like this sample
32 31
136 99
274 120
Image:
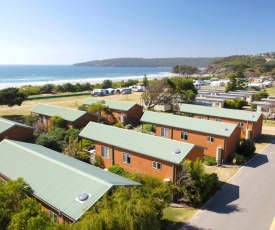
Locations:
67 31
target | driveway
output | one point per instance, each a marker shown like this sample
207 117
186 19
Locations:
247 201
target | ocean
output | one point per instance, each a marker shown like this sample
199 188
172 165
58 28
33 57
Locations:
19 75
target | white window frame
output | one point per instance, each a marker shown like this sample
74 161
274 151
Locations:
156 165
201 117
184 134
126 158
210 139
105 152
53 216
241 124
164 132
219 120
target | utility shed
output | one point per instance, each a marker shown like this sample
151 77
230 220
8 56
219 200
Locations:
206 133
56 179
73 117
249 122
14 130
124 112
139 152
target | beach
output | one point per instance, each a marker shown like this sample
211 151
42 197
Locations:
83 81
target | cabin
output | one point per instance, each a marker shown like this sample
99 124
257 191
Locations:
65 187
124 112
15 131
215 102
249 122
138 152
213 136
74 118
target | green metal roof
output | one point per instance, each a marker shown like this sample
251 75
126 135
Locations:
6 124
239 115
145 144
50 110
188 123
57 178
118 105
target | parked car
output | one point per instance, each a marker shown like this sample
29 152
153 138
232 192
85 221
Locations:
99 92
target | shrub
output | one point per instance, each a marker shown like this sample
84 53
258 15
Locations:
207 160
119 125
98 162
147 128
246 148
83 156
237 159
117 170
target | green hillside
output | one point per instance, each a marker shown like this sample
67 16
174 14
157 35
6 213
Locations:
152 62
251 66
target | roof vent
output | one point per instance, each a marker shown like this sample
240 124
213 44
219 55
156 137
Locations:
177 151
252 116
225 129
82 197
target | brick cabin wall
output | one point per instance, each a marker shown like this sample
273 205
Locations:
18 134
84 120
256 127
231 143
195 138
80 123
133 115
142 163
45 207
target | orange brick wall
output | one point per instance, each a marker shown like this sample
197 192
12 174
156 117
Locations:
18 134
196 138
256 127
231 143
133 115
84 120
143 164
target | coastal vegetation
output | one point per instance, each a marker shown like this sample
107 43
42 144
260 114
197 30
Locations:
149 62
249 65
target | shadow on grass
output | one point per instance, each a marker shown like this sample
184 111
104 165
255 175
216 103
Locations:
16 118
170 225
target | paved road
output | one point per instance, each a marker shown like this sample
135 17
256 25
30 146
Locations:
246 202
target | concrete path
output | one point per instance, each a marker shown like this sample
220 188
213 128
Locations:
246 202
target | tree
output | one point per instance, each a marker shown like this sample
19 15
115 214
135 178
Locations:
246 148
145 81
48 88
11 196
11 97
194 185
259 96
107 84
57 122
157 92
122 208
236 81
29 215
49 141
185 70
98 108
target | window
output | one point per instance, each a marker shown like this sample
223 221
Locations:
156 165
264 109
200 117
210 139
184 135
219 120
164 132
44 120
126 158
240 124
53 216
105 152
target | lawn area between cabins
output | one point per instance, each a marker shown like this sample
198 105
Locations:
174 217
